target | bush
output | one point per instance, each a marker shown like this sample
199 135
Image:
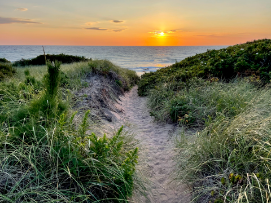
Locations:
40 60
251 58
199 100
6 70
3 60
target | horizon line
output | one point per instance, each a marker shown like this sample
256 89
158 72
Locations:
115 45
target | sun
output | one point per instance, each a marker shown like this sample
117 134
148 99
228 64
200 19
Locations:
161 34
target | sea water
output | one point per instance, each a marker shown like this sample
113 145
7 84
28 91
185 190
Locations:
138 58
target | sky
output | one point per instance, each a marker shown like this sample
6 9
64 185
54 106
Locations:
133 22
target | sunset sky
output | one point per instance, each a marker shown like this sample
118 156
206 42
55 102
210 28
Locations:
133 22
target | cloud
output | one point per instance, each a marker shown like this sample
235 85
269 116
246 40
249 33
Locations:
158 32
22 9
119 30
117 21
171 31
17 20
106 29
96 28
90 23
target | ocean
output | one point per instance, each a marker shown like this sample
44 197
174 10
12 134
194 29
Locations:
138 58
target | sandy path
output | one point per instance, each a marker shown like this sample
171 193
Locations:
158 149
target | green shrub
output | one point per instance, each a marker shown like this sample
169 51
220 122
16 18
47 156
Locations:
251 58
6 70
3 60
40 60
198 100
119 83
179 108
48 103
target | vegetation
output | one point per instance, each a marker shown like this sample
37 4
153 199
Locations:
225 94
229 160
3 60
45 155
127 79
40 60
251 58
6 70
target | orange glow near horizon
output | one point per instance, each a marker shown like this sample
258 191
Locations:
157 23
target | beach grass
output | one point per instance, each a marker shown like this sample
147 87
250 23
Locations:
45 155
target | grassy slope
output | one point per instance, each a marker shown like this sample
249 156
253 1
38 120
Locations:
229 159
244 59
45 157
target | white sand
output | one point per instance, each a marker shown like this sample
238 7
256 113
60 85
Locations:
158 150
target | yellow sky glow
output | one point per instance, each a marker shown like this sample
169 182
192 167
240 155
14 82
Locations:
138 23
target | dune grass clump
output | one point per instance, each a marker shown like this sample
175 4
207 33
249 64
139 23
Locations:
229 161
123 77
40 60
251 58
199 101
46 156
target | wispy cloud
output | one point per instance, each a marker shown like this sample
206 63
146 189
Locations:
22 9
91 23
117 21
96 28
106 29
159 32
119 30
17 20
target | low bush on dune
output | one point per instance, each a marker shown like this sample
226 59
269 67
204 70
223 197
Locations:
6 70
251 58
46 157
3 60
40 60
196 103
